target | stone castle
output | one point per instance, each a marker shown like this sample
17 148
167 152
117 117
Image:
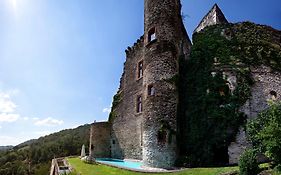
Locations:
143 121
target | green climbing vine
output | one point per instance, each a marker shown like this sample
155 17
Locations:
208 111
116 100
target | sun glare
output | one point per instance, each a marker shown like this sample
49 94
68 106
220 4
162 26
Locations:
14 4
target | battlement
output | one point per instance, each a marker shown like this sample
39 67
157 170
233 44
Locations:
137 45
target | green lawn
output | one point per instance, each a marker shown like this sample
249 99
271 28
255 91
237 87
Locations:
87 169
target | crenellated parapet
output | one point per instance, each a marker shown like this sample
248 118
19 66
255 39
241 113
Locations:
138 45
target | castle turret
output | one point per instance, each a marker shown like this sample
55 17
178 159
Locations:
213 17
165 38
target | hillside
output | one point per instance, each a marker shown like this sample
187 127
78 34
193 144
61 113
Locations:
5 148
38 153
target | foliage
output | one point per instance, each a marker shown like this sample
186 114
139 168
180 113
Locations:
207 106
89 169
116 100
33 157
265 132
248 164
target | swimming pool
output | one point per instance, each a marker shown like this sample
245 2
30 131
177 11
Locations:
121 163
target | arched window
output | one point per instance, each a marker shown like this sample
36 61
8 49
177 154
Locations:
162 136
140 69
139 104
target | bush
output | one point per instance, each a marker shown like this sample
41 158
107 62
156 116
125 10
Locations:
265 132
248 164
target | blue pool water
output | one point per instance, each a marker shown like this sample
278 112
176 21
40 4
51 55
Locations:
121 163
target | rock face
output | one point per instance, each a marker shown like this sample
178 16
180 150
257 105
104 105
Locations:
215 16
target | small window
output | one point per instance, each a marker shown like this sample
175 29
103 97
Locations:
151 90
221 91
140 69
162 136
215 60
139 104
113 142
273 95
151 35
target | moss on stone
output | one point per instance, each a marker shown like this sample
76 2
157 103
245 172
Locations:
116 100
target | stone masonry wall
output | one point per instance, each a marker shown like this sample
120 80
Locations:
266 80
215 16
100 140
161 67
126 134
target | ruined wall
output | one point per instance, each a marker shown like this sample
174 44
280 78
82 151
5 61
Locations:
100 140
266 82
126 134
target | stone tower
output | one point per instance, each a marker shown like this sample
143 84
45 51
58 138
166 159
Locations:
213 17
165 39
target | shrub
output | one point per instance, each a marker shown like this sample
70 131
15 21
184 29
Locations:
265 132
248 164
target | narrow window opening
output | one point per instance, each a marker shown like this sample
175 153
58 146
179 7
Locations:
222 92
113 142
273 95
170 138
141 135
151 90
139 104
140 69
215 60
162 136
151 35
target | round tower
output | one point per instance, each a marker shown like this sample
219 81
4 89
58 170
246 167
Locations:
164 37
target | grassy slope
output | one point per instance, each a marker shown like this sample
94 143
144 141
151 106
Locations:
87 169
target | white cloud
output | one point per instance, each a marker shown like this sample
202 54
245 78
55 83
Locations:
4 117
6 104
25 118
8 107
48 122
35 118
106 110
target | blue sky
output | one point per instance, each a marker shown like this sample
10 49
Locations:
61 60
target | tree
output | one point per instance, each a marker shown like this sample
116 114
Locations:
265 132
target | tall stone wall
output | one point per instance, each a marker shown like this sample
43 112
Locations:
100 140
126 134
266 82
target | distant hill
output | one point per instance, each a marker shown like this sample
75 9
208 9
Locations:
25 144
39 152
5 148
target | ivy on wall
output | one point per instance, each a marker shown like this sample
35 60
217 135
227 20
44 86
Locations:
208 112
116 100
